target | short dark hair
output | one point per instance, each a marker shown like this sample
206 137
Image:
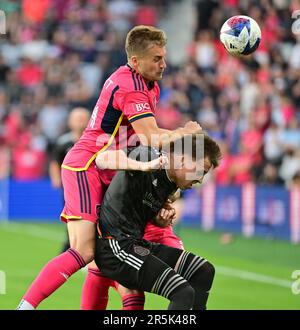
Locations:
188 145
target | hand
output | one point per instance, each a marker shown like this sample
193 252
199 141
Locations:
192 127
168 205
165 217
155 164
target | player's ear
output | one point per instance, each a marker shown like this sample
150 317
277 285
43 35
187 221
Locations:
183 160
180 161
133 60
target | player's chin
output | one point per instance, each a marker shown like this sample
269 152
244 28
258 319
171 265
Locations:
159 76
188 186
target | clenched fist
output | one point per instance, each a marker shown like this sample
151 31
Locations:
192 127
165 216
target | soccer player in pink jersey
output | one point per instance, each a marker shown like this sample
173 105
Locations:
126 106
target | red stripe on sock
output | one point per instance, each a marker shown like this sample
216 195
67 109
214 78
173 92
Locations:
133 301
78 257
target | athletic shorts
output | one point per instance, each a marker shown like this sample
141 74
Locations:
164 236
83 193
136 264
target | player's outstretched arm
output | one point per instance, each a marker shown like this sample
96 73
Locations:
118 160
150 134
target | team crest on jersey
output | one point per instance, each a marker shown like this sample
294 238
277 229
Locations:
141 251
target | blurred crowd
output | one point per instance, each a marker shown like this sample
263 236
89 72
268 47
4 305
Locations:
57 54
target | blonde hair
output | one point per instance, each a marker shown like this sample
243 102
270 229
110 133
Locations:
140 38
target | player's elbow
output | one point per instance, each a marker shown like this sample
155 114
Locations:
102 161
111 160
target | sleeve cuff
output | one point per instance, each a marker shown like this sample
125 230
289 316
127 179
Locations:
140 116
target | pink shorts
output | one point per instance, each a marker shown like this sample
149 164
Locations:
164 236
83 193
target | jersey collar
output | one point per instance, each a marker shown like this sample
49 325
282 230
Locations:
167 175
129 66
168 181
149 84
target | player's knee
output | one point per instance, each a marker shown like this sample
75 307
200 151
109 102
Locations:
204 276
185 295
189 293
87 253
209 271
125 291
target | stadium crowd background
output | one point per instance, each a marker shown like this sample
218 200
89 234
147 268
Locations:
57 54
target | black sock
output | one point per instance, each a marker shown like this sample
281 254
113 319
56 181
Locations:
182 299
202 281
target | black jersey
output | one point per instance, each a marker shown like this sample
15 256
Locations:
62 146
134 197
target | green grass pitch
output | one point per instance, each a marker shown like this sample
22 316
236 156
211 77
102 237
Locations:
250 273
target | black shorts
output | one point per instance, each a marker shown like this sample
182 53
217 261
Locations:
135 264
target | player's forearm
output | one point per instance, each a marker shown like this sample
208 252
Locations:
161 137
117 160
150 134
167 136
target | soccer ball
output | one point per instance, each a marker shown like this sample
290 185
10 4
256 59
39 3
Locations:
240 35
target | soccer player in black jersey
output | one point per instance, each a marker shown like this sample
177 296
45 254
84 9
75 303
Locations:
136 195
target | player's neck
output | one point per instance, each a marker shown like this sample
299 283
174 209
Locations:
169 174
136 70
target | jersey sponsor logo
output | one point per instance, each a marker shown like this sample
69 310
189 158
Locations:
141 251
142 106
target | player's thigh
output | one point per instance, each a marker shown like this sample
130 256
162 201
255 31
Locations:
82 238
157 276
83 194
169 255
116 262
81 232
129 262
141 269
